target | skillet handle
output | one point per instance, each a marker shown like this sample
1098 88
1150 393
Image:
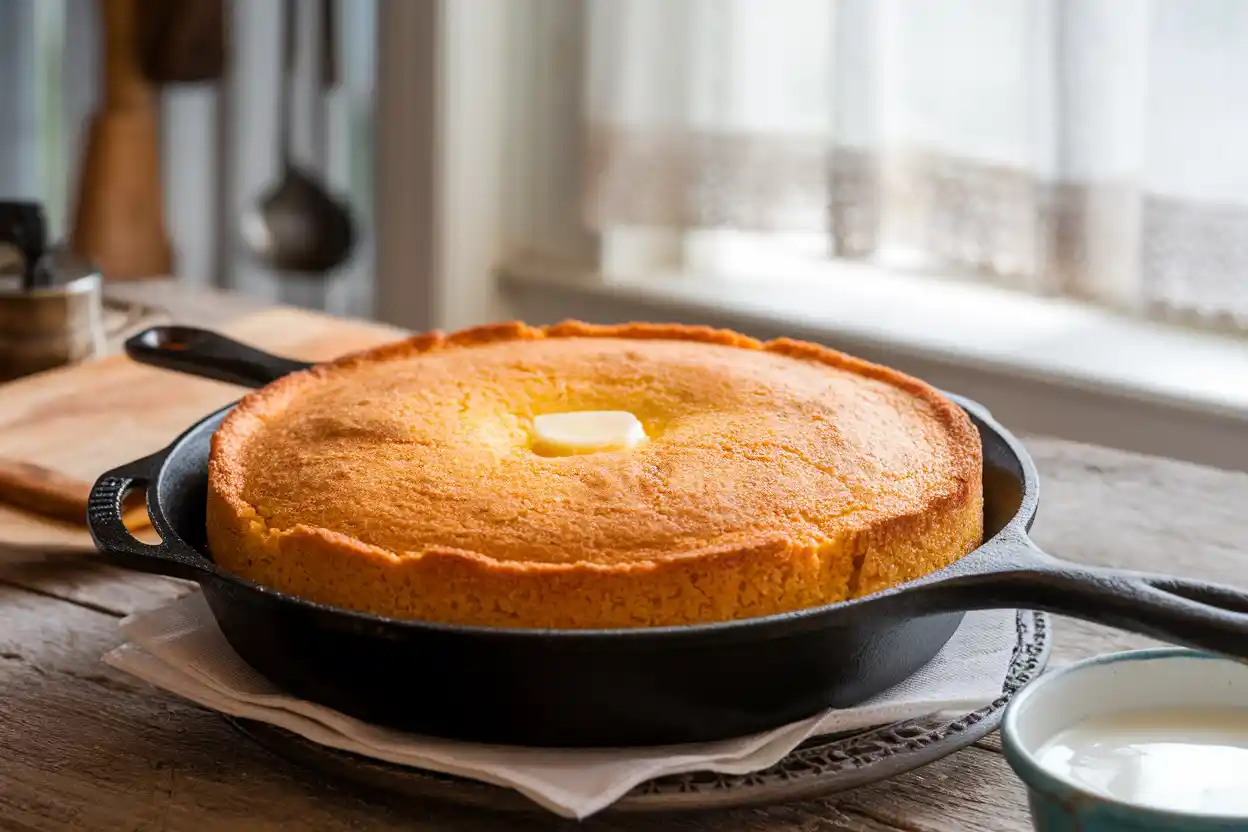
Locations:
200 352
1187 612
115 541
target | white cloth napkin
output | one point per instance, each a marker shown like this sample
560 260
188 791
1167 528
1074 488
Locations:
179 648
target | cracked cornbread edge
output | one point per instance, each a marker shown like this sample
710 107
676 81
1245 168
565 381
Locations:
750 577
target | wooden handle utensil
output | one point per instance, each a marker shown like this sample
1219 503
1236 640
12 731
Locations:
54 495
119 221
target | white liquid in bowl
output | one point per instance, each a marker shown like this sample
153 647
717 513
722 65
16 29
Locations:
1192 760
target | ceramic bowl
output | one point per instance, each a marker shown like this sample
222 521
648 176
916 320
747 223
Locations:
1110 684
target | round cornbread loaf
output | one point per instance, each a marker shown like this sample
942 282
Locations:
403 481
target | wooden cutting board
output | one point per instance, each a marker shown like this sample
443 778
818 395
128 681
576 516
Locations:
83 420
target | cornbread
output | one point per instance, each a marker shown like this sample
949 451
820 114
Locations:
403 481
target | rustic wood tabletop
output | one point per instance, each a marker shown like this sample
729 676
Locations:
85 747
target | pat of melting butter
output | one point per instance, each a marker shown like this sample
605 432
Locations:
586 432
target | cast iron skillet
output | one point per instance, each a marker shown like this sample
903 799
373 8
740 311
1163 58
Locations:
621 687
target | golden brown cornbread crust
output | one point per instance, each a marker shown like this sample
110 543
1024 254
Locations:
779 476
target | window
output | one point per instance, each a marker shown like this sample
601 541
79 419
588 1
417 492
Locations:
1001 197
1092 150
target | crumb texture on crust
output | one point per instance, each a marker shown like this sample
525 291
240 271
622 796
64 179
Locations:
401 481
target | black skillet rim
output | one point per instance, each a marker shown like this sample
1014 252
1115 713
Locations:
773 626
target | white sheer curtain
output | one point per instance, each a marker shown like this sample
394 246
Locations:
1094 148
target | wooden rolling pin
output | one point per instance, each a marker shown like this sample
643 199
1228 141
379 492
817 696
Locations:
119 214
56 496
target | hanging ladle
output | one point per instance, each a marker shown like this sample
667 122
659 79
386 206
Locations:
297 226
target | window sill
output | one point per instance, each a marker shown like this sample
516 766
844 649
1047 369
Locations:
1042 365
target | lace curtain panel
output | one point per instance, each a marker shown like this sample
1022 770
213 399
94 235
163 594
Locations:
1092 148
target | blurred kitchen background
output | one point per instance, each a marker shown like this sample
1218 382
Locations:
1039 203
218 139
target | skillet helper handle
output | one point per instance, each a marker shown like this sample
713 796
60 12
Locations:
1182 611
114 539
200 352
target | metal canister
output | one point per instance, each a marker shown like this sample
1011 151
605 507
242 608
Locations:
51 303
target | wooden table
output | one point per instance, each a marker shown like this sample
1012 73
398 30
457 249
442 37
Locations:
85 747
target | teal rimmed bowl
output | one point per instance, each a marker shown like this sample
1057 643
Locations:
1158 678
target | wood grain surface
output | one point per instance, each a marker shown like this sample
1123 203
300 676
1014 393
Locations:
82 420
84 747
